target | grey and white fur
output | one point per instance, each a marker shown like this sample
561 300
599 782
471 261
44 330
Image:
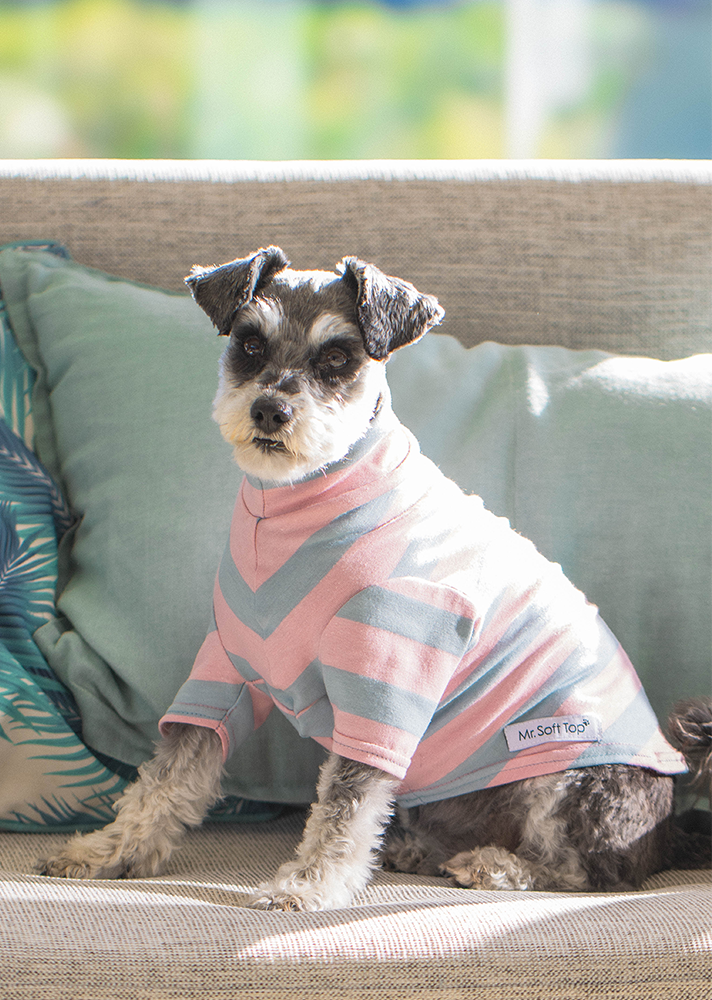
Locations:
301 378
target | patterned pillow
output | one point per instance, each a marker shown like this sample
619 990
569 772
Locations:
48 777
16 382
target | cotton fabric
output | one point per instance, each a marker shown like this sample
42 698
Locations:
399 623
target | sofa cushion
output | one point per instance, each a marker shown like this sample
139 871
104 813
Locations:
189 934
605 462
49 778
121 405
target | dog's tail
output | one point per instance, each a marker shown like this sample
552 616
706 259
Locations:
690 732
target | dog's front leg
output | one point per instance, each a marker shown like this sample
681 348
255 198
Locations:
342 835
174 790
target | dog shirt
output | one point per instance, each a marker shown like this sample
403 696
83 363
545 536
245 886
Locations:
399 623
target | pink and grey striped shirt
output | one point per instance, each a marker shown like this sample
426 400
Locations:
399 623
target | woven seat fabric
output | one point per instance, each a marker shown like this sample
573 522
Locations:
189 933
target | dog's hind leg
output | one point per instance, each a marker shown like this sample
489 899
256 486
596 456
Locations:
174 790
593 828
606 827
544 858
339 848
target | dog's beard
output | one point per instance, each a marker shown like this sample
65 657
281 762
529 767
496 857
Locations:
321 431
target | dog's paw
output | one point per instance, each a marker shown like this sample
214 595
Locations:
300 889
407 853
270 898
489 868
101 855
77 860
296 898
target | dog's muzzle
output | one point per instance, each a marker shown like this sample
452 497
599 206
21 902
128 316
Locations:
270 415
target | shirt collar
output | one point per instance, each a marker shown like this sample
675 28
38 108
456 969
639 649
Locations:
373 464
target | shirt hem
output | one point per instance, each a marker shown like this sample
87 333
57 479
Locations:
492 776
197 720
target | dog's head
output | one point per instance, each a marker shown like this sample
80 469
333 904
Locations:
303 373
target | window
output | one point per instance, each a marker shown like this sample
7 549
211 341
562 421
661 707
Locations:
291 79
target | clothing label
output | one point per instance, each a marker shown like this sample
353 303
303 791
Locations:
559 729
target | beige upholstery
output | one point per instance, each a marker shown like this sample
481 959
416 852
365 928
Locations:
188 934
615 256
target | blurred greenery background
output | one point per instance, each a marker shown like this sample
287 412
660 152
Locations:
291 79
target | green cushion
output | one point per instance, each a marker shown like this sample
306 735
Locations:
121 405
605 462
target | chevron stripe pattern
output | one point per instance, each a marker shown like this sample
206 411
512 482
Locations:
399 623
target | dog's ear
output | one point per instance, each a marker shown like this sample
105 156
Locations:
222 291
391 312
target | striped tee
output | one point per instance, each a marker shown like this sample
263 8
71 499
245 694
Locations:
399 623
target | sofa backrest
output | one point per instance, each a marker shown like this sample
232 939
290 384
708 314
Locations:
593 254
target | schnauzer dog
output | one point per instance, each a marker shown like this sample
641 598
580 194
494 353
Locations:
447 666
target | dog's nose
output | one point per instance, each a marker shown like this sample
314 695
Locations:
269 415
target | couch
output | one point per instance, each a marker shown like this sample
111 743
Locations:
570 385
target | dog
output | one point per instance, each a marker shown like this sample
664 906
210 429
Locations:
473 704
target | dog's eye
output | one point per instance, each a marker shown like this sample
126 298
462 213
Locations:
336 358
253 346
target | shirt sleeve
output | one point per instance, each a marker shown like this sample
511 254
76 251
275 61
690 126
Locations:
217 696
387 656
